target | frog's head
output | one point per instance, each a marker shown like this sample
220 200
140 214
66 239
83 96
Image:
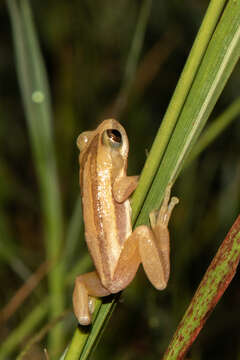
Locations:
110 134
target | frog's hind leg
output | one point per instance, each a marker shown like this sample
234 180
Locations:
127 265
149 246
86 286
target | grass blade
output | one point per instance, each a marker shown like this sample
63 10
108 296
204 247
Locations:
36 100
217 65
86 338
179 97
215 129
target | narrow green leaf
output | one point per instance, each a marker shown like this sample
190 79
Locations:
215 129
80 337
178 99
217 65
85 339
36 100
99 325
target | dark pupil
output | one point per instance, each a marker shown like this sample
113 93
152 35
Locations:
114 135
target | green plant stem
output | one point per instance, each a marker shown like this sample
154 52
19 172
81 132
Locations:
178 99
215 128
217 65
77 343
79 339
85 340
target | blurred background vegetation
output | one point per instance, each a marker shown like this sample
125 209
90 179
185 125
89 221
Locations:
86 46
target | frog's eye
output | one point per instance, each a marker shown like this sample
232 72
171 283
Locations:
112 137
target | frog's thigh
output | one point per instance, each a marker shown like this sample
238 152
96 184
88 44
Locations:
86 285
127 265
154 251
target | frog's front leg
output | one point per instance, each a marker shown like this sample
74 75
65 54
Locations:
123 187
86 286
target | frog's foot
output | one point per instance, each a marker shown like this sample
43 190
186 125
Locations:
87 287
161 217
154 244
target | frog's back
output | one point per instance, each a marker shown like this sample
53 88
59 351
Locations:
107 223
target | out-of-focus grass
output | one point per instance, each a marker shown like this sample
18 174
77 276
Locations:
36 100
86 46
38 314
